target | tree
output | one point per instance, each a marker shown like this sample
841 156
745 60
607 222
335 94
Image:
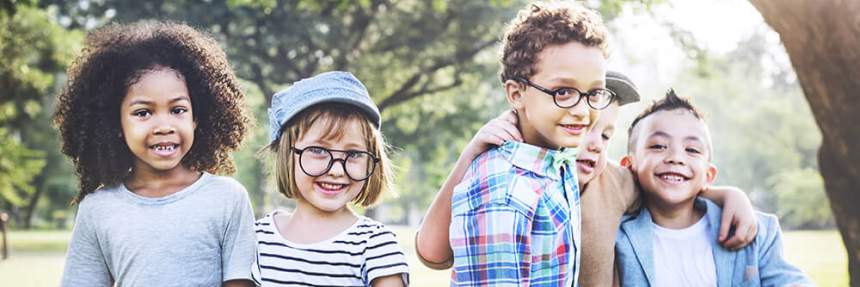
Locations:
35 52
821 38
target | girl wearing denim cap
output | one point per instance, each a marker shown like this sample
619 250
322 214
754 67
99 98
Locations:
329 153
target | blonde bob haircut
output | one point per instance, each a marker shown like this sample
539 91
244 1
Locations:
334 118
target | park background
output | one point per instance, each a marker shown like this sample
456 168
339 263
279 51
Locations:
432 68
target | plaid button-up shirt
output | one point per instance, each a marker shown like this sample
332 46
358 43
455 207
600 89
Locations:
516 220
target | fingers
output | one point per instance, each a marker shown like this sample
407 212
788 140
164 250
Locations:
725 225
744 234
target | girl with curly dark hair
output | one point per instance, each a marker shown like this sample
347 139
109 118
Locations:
149 112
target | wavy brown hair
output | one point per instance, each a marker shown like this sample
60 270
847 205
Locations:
115 57
541 25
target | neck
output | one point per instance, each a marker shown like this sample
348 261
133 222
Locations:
673 216
151 183
308 213
308 224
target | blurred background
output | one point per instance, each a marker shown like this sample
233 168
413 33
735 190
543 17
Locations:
431 67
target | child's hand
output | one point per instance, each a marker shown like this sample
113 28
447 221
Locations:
495 132
738 213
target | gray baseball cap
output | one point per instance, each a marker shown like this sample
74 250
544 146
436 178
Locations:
335 86
623 87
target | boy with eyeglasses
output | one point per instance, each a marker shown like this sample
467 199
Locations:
515 215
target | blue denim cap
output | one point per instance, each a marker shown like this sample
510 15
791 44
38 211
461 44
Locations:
336 86
622 86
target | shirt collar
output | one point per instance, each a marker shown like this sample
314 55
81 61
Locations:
537 159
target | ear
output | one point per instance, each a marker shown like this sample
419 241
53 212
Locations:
711 173
627 162
514 93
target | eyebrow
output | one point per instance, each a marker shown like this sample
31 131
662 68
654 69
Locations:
145 102
666 135
573 82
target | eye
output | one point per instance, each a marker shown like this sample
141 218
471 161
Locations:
693 150
316 150
179 110
605 136
142 113
566 92
357 155
657 147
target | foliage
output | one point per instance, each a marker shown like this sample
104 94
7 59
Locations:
35 52
765 140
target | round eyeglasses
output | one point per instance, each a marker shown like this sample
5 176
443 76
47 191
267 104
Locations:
316 161
564 98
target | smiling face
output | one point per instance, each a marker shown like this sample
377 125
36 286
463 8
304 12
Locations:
333 190
157 121
591 159
671 156
542 122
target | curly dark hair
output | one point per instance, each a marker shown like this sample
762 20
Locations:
541 25
114 58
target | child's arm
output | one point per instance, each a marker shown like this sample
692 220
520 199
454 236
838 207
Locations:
238 283
773 269
431 241
738 212
388 281
385 264
239 242
85 265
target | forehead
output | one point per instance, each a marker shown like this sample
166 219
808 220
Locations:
678 123
330 129
572 63
608 116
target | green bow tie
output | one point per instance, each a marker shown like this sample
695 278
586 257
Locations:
564 156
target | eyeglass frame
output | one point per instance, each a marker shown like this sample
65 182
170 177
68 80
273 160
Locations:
554 94
373 158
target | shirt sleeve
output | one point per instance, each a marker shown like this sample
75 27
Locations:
384 257
491 246
773 268
85 265
239 243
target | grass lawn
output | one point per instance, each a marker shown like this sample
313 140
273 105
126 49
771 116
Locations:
37 258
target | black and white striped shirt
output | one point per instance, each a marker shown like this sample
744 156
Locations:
364 251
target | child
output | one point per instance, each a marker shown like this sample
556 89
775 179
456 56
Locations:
149 110
602 208
329 153
515 216
671 241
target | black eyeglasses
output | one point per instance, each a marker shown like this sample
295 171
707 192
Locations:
564 98
316 161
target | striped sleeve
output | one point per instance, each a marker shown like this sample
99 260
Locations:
383 256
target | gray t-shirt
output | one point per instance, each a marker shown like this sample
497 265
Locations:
199 236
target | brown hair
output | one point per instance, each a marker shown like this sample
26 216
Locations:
334 117
540 25
114 58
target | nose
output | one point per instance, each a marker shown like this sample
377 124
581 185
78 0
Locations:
164 127
580 110
594 142
338 165
675 156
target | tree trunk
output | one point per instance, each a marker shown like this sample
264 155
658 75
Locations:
822 38
30 209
